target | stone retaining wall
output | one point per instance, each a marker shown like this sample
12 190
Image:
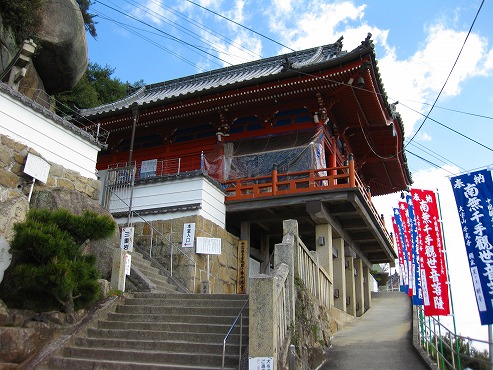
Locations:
223 267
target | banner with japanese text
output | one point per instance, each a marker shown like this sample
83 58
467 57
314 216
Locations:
407 246
402 249
399 254
431 253
418 290
474 196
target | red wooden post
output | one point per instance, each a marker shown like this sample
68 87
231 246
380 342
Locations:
274 179
333 161
352 177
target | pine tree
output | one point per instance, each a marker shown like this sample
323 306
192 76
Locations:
51 270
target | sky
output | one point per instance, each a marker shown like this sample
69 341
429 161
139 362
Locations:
417 44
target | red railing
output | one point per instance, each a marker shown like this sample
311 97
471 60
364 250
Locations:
341 177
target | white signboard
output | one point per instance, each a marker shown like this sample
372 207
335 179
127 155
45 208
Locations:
148 166
127 240
128 263
37 168
188 235
208 245
260 363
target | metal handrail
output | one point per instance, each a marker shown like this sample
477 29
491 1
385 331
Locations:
238 317
166 239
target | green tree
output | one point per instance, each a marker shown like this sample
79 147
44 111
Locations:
96 87
51 271
23 17
89 22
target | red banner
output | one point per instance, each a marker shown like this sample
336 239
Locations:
407 247
430 249
398 244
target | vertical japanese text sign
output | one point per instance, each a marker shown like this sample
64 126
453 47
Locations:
188 235
400 251
432 258
241 284
127 239
406 235
418 290
473 194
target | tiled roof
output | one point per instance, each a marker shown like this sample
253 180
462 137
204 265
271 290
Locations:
223 77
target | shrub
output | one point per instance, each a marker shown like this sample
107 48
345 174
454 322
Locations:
51 271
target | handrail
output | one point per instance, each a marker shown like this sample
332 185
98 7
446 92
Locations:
153 229
433 342
238 317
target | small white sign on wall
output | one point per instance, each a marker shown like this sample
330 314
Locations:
37 168
128 263
208 245
260 363
188 235
127 240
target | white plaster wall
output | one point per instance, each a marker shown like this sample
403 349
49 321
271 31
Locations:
175 193
54 142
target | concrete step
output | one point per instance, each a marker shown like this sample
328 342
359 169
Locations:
239 297
64 363
179 310
189 319
183 299
169 345
196 358
167 326
126 334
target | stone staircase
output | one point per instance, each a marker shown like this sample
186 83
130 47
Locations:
151 277
153 330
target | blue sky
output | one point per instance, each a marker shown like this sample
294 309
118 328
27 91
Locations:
416 43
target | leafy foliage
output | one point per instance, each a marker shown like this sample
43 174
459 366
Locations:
89 22
23 17
51 271
96 87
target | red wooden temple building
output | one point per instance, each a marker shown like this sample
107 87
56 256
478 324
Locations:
308 135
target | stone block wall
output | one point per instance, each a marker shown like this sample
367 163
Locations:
14 183
223 267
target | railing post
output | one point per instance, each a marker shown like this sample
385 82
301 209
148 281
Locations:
352 177
274 179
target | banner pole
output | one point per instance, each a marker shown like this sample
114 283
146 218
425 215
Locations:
445 254
490 340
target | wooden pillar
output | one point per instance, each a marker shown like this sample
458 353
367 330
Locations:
323 242
359 288
245 235
339 274
350 287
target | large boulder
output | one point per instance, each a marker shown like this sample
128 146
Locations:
18 344
62 57
77 203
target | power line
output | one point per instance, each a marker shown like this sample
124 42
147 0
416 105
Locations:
447 127
161 31
448 77
241 25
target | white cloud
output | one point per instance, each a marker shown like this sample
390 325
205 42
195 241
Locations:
151 10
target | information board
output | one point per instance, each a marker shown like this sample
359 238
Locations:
37 168
208 245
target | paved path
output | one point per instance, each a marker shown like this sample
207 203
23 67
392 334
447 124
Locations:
380 339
